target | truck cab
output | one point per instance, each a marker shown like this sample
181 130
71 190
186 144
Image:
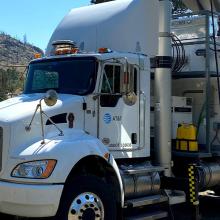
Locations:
112 95
102 104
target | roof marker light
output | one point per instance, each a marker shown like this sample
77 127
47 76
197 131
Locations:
104 50
63 47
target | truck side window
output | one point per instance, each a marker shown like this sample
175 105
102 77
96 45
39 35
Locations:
111 86
111 79
116 83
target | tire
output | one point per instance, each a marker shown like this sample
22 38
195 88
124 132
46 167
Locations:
87 198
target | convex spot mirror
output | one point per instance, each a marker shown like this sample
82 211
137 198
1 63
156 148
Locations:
130 98
50 97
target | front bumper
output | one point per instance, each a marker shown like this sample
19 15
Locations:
29 200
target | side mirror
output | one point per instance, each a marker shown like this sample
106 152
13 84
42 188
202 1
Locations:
50 97
128 82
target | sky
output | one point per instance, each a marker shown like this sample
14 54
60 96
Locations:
36 19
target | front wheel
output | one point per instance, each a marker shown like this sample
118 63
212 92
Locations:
87 198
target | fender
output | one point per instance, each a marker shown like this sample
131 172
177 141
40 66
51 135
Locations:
68 150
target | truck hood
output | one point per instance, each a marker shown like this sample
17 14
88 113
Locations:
16 115
19 99
23 106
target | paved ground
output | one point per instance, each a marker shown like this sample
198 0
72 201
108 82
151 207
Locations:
209 210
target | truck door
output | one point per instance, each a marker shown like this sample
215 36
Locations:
119 107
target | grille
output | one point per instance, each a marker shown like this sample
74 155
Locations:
1 146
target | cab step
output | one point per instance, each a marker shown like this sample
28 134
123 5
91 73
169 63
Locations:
143 170
147 200
149 216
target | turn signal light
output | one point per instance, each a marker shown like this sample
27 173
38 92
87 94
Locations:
37 55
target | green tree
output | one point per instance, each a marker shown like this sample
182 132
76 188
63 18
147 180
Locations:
3 85
13 81
10 83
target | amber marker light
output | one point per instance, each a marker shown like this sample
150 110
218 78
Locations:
49 169
106 156
37 55
104 50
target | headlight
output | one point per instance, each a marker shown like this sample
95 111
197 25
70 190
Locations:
40 169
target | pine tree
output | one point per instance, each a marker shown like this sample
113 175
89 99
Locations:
25 39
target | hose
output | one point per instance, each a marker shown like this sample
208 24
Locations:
179 55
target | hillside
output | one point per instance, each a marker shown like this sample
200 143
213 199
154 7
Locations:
15 52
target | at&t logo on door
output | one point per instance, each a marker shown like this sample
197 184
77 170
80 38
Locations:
107 118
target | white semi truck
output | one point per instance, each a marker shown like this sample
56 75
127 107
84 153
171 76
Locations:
84 140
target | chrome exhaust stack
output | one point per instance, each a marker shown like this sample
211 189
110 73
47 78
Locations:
162 93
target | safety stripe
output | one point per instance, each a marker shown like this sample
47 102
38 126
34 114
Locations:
193 194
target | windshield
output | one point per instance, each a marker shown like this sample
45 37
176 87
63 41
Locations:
75 75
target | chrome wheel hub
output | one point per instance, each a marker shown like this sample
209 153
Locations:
86 206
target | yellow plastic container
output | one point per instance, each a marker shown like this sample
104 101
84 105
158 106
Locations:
186 138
